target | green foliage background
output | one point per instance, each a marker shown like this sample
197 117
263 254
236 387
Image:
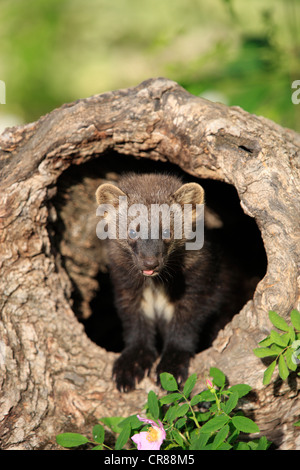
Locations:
244 53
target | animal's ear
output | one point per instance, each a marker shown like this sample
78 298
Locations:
190 193
108 194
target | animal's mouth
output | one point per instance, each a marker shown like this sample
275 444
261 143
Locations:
149 272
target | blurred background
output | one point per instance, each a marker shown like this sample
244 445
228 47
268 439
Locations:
238 52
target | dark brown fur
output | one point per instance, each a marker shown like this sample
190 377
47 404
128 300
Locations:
190 291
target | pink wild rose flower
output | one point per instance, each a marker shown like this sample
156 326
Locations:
151 439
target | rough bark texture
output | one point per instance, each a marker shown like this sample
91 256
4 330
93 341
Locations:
53 377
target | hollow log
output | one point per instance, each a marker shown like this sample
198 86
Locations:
53 377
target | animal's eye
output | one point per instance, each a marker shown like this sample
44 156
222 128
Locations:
166 233
132 234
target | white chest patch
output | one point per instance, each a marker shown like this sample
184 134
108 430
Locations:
156 304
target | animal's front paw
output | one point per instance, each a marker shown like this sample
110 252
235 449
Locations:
131 366
176 363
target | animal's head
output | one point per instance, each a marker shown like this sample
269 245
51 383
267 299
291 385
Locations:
146 216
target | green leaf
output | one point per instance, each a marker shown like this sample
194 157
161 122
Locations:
234 434
242 446
253 444
203 416
215 423
263 443
170 398
292 334
182 410
196 399
175 434
244 424
278 339
231 403
131 421
113 423
219 378
153 404
224 446
172 445
264 352
171 413
240 389
289 356
206 395
181 422
189 385
266 342
297 423
268 373
198 440
71 439
282 368
98 433
168 382
295 319
278 321
220 437
123 437
276 349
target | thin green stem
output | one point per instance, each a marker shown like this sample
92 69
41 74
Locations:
193 417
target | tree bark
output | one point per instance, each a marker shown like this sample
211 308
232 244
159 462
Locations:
53 377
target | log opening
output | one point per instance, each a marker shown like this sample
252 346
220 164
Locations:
83 256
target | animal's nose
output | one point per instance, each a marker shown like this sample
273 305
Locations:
151 263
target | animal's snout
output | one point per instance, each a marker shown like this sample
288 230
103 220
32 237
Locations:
150 262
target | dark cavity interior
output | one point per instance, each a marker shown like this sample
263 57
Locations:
81 256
